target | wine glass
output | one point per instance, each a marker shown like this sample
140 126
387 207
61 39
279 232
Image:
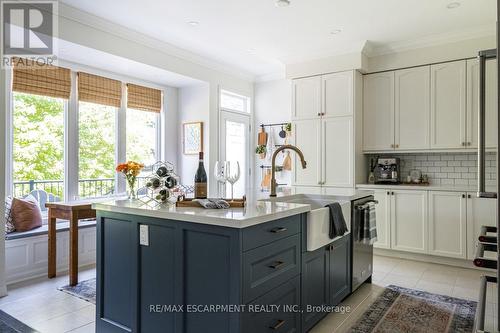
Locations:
232 174
220 172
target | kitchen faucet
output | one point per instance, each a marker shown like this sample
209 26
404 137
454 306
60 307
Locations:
273 165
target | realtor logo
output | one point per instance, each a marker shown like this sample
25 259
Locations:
28 30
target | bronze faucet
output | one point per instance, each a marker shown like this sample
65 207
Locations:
273 165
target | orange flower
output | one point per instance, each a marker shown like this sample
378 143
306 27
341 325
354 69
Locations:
130 168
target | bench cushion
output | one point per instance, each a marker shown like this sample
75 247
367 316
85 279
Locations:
61 225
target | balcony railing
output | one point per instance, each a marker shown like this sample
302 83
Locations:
99 187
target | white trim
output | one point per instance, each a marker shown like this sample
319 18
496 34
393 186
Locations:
71 143
82 17
9 134
121 140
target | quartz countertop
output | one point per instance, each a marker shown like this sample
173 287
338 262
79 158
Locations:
255 212
431 187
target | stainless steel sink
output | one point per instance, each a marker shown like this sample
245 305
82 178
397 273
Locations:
318 219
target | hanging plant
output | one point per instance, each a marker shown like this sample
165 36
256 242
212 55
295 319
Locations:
261 150
288 129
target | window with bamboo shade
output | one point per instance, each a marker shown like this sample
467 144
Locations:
99 90
46 80
143 98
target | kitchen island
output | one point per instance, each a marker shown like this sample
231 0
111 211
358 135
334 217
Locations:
172 269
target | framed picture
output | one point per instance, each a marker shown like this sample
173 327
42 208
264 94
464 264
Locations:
192 138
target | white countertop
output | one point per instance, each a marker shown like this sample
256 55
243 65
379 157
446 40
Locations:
452 188
254 213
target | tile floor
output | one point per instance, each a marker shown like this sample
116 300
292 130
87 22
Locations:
40 305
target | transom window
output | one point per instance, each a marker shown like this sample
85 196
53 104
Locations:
233 102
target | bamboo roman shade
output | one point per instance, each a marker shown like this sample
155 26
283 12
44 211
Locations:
143 98
46 80
99 90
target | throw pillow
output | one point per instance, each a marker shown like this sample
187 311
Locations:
9 226
26 214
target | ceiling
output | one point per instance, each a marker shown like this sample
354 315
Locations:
260 38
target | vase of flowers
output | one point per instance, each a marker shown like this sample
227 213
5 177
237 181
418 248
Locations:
131 170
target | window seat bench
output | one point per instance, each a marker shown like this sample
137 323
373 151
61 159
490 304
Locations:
61 225
26 253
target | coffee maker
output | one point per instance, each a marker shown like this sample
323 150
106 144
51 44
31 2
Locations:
387 171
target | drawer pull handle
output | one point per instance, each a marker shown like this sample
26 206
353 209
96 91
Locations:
277 264
277 230
278 325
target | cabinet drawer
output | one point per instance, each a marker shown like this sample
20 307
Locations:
286 295
268 266
269 232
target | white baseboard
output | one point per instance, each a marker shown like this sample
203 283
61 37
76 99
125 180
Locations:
27 258
463 263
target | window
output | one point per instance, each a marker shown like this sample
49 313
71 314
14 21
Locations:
233 102
142 136
100 129
38 144
96 134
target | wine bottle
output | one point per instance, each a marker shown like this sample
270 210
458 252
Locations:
162 171
153 182
200 180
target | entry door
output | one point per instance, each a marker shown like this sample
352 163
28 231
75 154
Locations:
235 146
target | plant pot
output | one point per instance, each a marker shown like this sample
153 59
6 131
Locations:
262 156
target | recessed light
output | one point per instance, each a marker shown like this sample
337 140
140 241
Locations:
335 32
282 3
453 5
193 23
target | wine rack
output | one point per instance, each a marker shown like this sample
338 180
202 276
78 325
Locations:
162 186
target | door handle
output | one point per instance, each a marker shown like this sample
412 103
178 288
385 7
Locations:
277 264
278 325
481 147
277 230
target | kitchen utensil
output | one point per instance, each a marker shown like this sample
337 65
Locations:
287 162
282 133
262 138
266 180
270 145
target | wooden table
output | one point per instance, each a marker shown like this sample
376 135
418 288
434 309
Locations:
72 211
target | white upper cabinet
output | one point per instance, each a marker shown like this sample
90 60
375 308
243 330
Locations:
448 109
307 135
306 98
337 94
473 103
378 111
337 152
412 109
447 224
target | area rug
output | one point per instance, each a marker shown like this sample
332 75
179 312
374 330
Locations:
9 324
400 309
85 290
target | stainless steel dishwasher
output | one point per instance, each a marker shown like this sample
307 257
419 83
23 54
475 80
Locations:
362 254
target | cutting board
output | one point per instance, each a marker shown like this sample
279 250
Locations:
262 139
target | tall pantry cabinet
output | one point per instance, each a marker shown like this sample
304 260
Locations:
326 110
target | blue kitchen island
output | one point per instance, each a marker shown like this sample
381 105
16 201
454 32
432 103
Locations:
172 269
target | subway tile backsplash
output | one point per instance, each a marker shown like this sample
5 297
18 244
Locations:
447 168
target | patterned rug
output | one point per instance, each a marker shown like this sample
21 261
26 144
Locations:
85 290
9 324
400 309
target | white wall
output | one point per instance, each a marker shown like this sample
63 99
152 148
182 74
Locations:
193 105
170 128
273 104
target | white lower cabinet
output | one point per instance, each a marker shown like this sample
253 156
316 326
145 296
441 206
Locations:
440 223
383 213
409 220
480 211
448 224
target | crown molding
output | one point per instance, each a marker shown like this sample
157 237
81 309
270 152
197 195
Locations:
373 50
82 17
